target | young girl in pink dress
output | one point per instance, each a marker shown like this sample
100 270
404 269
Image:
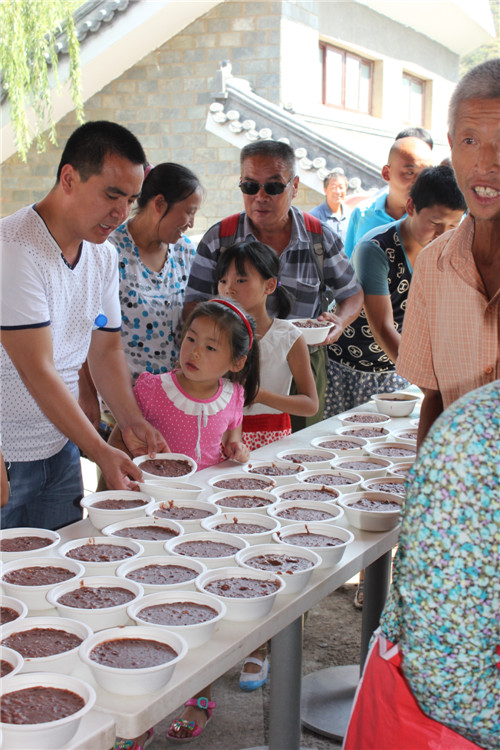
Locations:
198 407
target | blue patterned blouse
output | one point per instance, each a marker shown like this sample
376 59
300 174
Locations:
444 604
151 304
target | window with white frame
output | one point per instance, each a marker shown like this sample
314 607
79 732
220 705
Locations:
413 100
347 79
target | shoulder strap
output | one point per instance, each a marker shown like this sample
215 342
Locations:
315 232
227 230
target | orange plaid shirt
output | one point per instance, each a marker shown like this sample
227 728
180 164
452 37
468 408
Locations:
451 331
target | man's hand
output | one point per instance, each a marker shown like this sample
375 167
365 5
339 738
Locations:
335 332
237 451
118 471
142 438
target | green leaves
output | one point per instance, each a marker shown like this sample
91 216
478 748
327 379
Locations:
32 33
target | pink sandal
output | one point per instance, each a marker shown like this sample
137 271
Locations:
191 726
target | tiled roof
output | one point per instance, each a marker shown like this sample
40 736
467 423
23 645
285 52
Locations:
239 116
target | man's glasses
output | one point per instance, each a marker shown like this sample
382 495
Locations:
252 187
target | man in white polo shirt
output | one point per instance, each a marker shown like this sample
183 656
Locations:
60 306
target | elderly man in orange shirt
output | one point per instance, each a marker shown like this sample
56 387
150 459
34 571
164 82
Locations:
451 335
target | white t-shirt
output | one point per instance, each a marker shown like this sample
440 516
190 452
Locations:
40 289
275 374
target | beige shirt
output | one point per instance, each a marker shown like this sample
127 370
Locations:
451 331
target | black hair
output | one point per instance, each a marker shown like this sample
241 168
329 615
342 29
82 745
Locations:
437 186
272 150
234 327
173 181
417 132
265 260
88 146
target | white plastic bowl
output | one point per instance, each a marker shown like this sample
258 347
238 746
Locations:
381 484
134 681
267 499
313 336
171 489
333 478
49 734
238 608
295 581
309 457
16 604
406 435
208 536
362 431
104 617
395 404
270 482
329 555
35 597
100 517
105 568
179 511
371 520
406 452
341 445
194 568
296 491
64 662
13 658
195 634
400 469
172 456
151 546
260 467
29 531
364 418
368 466
256 519
310 507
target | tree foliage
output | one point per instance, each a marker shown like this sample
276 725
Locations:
486 51
32 31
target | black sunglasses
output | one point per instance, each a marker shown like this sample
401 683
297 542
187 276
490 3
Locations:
252 187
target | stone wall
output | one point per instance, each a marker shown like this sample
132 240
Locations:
164 100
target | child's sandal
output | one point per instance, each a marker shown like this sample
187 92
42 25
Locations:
191 726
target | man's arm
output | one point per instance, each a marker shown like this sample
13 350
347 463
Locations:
30 350
432 406
378 309
110 373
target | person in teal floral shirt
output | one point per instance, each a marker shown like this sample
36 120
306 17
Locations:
444 603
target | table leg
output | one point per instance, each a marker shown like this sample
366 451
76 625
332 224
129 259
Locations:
327 694
286 676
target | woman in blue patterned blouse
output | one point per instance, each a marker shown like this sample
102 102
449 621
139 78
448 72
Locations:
155 259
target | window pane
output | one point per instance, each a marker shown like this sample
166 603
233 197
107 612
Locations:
416 102
352 83
334 71
364 88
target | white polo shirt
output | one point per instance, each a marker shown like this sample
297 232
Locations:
40 289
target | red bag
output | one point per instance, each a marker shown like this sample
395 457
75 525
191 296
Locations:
385 714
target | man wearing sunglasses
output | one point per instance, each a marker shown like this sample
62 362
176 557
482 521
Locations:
269 184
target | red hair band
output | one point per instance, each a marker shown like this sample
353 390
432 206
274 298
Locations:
238 312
